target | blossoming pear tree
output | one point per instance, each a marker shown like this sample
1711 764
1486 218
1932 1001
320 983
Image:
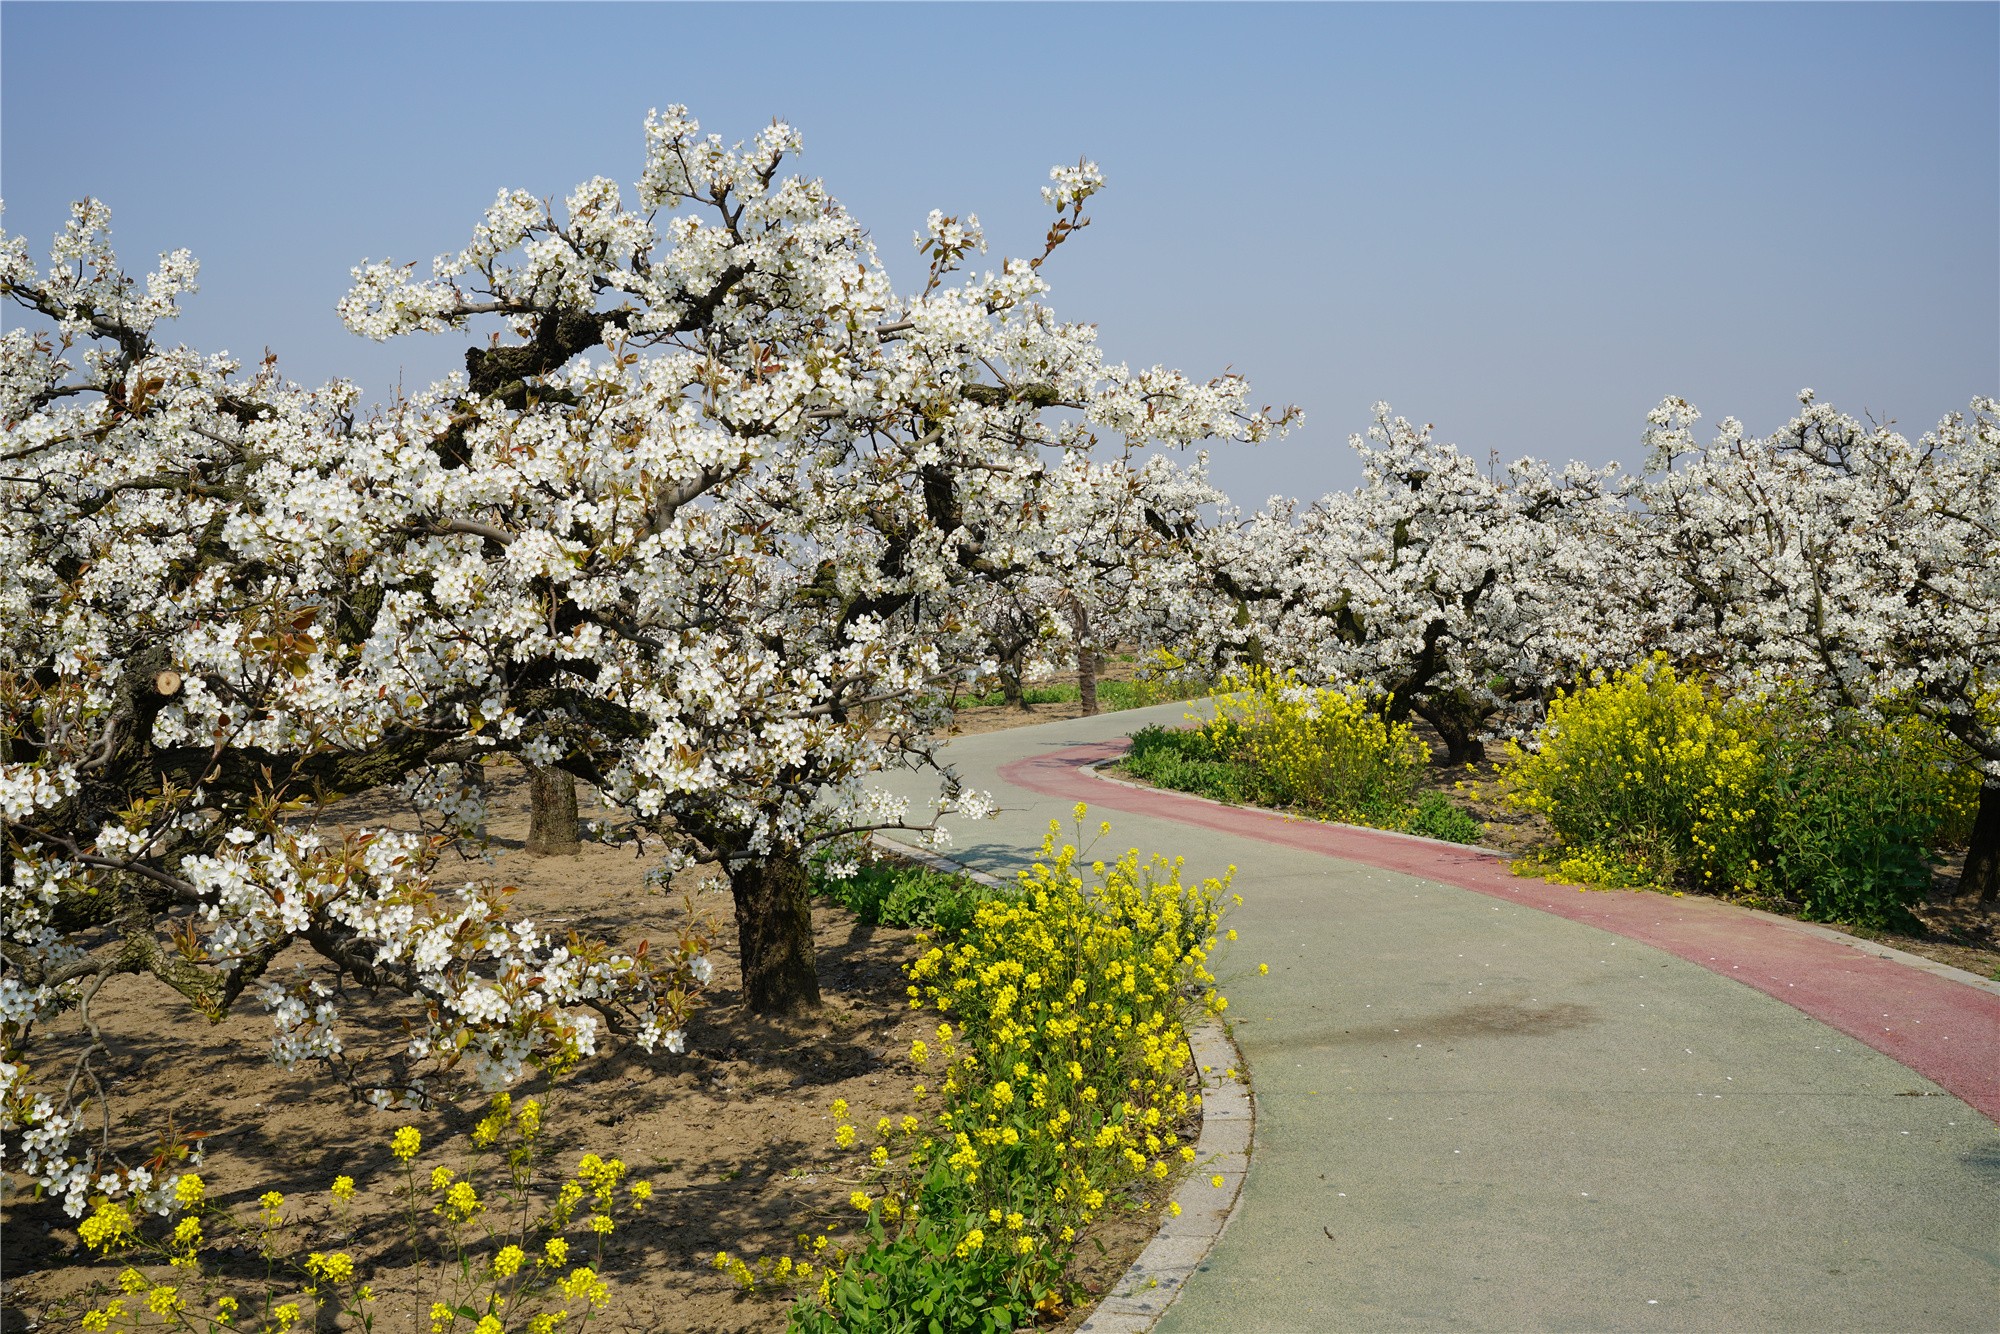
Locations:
1846 556
1112 573
696 525
1448 590
728 491
202 641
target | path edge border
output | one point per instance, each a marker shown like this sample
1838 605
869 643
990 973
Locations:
1100 770
1142 1294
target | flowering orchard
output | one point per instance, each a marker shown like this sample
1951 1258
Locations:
1438 585
698 524
719 522
1836 565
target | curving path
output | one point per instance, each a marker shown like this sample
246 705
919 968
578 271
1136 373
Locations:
1490 1103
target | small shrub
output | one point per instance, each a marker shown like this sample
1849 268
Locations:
1654 779
1856 810
1320 750
1221 760
1649 774
1323 752
1437 816
862 891
895 893
1190 761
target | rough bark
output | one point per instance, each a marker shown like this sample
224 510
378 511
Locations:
1086 680
775 936
1459 721
553 829
1982 856
1010 685
1086 657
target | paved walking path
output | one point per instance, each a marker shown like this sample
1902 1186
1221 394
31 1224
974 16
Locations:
1487 1103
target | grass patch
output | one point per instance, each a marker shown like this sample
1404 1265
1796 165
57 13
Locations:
897 893
1112 696
1214 762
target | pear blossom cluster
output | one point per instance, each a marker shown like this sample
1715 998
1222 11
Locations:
701 523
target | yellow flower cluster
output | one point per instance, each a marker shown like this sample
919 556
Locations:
1646 777
1060 1061
504 1293
109 1226
1326 751
739 1269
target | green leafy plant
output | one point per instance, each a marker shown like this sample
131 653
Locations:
893 893
1653 778
1190 761
1437 816
1857 808
1061 1072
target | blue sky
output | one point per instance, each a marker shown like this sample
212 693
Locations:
1523 223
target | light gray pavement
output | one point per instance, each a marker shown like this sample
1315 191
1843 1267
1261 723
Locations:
1476 1115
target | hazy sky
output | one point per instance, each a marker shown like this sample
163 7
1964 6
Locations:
1523 223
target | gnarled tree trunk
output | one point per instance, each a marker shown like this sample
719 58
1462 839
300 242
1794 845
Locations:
1086 656
1010 684
1459 721
1982 856
775 935
553 829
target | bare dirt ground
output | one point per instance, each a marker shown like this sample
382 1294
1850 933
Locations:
736 1134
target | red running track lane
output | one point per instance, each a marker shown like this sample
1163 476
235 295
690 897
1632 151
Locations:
1945 1031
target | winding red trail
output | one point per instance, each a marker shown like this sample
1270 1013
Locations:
1944 1030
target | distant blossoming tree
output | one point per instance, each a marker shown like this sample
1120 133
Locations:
1848 557
1452 592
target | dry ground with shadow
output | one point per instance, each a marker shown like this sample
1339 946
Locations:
736 1134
